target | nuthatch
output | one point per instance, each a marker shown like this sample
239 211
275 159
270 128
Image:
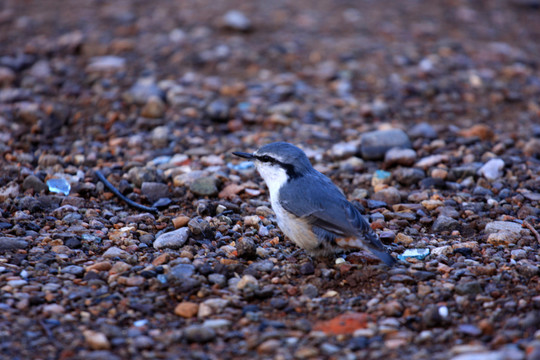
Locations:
310 209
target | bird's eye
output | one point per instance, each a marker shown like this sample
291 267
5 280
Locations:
265 158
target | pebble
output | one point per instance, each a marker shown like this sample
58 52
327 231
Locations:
492 170
444 223
96 340
237 20
74 270
181 272
422 130
34 183
186 309
199 333
10 244
172 240
154 108
204 186
115 252
503 238
106 63
375 144
143 91
246 248
397 156
496 226
409 176
389 195
218 110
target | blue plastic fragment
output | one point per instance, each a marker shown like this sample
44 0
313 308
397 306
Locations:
59 186
244 165
381 174
419 254
140 323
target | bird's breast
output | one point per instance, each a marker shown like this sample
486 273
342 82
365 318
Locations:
298 230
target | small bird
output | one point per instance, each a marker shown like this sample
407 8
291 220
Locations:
310 209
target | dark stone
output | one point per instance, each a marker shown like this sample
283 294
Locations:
9 244
375 144
468 287
307 268
246 248
444 223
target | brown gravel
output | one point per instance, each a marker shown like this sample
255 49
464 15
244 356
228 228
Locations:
156 95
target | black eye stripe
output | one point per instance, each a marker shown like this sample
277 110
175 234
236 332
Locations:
266 158
289 168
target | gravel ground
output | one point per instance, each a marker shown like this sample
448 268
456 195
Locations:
425 113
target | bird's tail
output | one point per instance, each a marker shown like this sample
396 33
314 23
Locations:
376 247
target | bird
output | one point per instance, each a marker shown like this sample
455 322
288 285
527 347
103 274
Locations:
310 209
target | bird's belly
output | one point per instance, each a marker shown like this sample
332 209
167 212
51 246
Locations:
295 228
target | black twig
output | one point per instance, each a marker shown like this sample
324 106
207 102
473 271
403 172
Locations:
115 191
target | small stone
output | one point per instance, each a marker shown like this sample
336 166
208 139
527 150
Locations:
444 223
492 170
7 76
186 309
181 272
143 90
154 108
344 149
180 221
403 239
106 64
430 161
375 144
204 186
468 288
526 268
389 195
481 131
237 20
154 190
96 340
432 204
217 323
50 309
114 252
422 130
496 226
73 269
10 244
218 110
218 279
310 291
199 333
439 173
503 238
532 147
172 240
397 156
34 183
247 281
409 176
307 268
246 248
343 324
268 346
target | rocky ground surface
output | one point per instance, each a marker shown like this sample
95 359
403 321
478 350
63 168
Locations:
425 113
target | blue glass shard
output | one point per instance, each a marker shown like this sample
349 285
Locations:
59 186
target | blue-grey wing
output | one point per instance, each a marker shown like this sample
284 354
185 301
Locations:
318 200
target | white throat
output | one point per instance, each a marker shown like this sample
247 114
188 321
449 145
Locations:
274 176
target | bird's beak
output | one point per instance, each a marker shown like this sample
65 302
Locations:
244 155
